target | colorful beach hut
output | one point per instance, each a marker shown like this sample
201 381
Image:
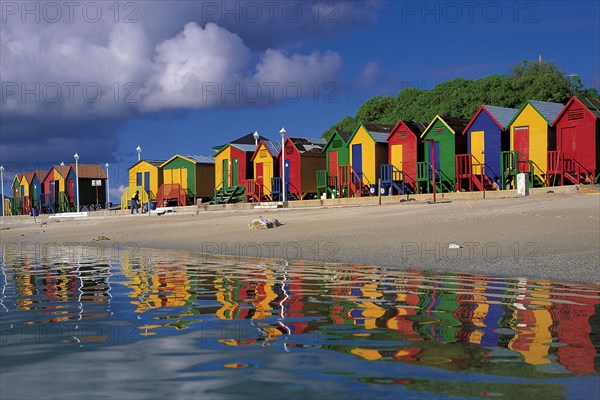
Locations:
486 138
233 166
266 167
186 178
336 154
92 186
16 202
443 139
31 191
531 137
303 158
368 149
577 155
58 193
404 151
145 177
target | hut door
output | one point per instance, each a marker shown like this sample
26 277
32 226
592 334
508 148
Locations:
235 170
288 183
51 193
259 174
70 190
397 156
357 159
568 143
436 162
333 163
147 181
521 144
181 177
225 181
477 150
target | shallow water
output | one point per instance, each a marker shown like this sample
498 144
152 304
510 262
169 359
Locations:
165 324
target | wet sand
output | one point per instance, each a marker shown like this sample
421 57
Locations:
554 236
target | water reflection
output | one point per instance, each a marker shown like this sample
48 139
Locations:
449 322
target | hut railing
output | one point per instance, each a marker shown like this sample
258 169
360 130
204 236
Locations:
169 191
566 167
394 177
64 205
326 183
254 191
276 192
425 176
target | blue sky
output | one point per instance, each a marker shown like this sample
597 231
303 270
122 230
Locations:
180 77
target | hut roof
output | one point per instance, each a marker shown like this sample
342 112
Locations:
90 171
454 124
501 116
243 140
548 110
308 145
593 106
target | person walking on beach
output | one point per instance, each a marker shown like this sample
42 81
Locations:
134 202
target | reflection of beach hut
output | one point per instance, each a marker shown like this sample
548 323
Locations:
336 154
186 178
577 155
146 177
486 138
368 149
404 150
447 138
303 158
266 168
58 193
531 137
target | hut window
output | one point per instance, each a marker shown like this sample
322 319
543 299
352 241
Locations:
575 114
439 129
401 134
337 143
262 153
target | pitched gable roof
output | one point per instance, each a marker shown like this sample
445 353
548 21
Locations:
343 135
415 127
378 132
90 171
547 110
308 145
501 116
453 124
592 105
244 140
272 147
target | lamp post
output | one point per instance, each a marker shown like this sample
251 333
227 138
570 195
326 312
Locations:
2 181
107 185
139 151
76 157
282 132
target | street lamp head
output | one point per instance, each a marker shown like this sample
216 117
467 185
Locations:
76 156
255 135
282 132
62 163
1 168
106 165
138 149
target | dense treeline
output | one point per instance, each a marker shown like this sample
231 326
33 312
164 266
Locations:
462 97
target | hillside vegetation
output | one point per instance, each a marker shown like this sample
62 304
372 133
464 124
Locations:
460 97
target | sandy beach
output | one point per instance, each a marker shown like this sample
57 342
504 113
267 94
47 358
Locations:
552 236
